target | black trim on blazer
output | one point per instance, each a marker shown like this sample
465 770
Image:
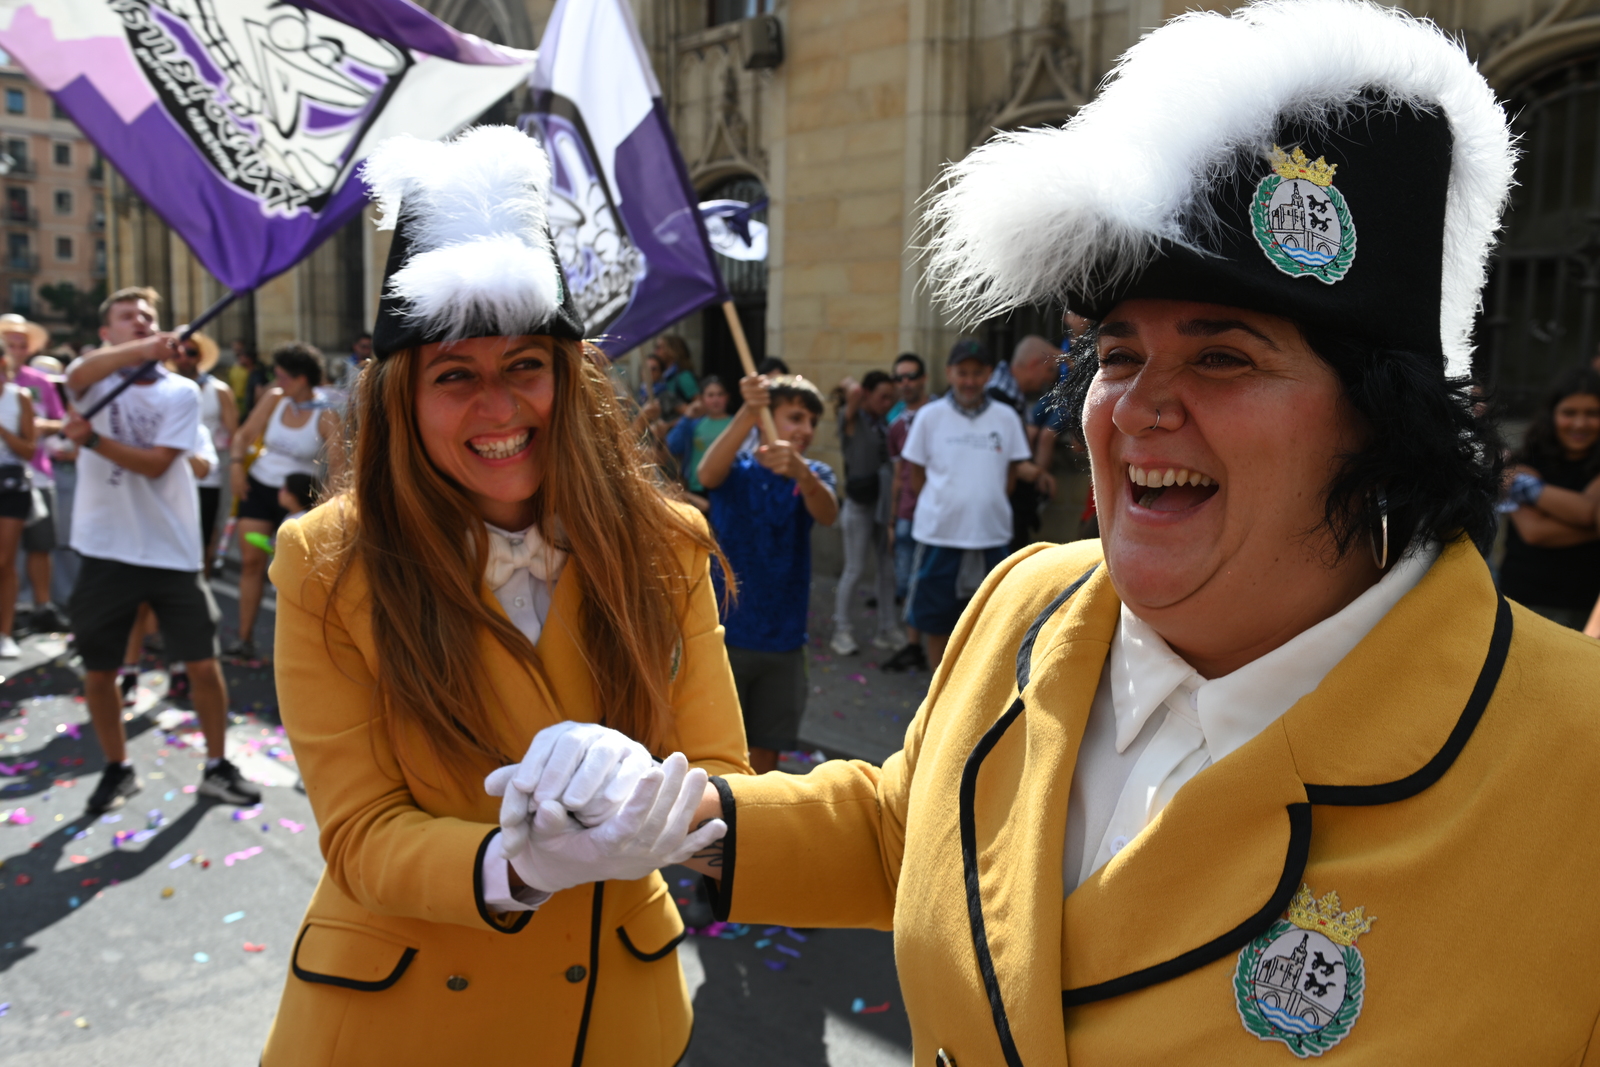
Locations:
1412 784
347 983
719 891
969 831
484 913
1294 869
594 972
1333 795
1025 651
649 957
969 871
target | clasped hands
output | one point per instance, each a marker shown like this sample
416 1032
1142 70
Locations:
589 804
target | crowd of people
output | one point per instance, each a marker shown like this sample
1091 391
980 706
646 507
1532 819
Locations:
117 465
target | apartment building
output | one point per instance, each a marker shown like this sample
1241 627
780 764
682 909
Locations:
54 212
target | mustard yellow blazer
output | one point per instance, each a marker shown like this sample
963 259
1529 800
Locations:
1444 778
397 962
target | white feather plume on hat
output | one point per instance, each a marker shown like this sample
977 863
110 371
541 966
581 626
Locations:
475 213
1036 214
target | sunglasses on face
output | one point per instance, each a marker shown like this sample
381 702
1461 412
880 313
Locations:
907 377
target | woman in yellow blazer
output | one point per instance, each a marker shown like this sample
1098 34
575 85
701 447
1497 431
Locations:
1271 771
502 564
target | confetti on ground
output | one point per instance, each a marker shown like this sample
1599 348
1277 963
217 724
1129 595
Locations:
787 951
81 1023
246 816
23 879
775 965
233 917
232 857
5 1007
295 827
79 859
251 946
797 935
108 819
201 957
859 1007
764 942
166 892
180 861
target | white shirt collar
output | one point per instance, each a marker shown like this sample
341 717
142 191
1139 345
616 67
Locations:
1235 708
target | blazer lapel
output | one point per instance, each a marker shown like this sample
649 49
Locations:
1224 857
529 703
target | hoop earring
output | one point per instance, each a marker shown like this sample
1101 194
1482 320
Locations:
1383 508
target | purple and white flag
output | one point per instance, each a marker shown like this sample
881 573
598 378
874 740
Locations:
624 216
242 122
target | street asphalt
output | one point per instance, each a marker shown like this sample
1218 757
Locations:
161 934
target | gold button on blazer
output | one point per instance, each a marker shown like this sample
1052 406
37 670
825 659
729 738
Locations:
1444 779
397 962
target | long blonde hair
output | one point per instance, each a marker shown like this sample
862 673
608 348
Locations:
422 546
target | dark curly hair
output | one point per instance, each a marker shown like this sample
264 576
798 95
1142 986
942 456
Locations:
1434 460
1542 448
300 360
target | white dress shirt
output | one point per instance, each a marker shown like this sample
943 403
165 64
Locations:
1156 723
527 570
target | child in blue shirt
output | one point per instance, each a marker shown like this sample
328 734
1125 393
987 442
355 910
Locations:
763 505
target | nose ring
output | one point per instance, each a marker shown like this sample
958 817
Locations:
1157 424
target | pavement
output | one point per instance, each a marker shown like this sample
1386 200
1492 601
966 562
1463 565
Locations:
162 933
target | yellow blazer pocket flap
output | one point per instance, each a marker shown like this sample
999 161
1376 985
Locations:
654 928
345 955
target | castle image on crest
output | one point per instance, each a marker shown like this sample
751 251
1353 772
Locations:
1304 223
1293 998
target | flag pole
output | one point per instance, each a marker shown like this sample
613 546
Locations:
769 429
183 335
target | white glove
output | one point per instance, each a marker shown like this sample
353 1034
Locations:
651 831
589 769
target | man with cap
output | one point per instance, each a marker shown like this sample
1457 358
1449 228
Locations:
962 457
1270 771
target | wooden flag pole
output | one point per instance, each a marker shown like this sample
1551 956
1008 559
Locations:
769 429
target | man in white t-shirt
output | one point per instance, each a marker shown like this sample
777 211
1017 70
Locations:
963 454
137 527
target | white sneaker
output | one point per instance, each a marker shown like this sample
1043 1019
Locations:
892 640
843 644
9 649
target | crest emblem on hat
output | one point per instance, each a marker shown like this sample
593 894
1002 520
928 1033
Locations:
1302 981
1300 220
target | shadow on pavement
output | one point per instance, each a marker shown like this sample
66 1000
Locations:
38 896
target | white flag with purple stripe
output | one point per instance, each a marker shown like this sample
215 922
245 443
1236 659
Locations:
623 213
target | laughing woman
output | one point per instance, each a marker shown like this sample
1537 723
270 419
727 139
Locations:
502 566
1271 769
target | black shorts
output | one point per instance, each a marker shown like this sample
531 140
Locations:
40 534
772 694
210 501
261 504
106 599
16 505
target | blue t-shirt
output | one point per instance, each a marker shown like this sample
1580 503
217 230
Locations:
1048 413
761 521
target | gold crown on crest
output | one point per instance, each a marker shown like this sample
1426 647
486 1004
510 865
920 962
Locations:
1296 165
1324 917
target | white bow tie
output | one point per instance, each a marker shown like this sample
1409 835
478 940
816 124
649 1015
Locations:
511 552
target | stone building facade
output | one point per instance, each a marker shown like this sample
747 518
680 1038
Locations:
873 97
54 212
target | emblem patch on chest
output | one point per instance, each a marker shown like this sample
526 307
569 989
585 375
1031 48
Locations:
1300 220
1302 981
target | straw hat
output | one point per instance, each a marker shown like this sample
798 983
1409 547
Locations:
209 352
37 335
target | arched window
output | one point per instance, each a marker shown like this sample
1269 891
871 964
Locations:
1542 307
747 283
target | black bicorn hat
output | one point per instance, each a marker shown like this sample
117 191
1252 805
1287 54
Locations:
471 254
1334 162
